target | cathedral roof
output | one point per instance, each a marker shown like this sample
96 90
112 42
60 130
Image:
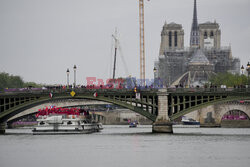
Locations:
172 25
208 25
199 58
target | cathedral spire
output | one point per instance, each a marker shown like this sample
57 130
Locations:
195 19
195 36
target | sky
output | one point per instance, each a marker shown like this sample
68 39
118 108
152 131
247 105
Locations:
40 39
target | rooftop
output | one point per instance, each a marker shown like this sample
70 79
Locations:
172 25
199 58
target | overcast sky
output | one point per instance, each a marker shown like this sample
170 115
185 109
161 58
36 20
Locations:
40 39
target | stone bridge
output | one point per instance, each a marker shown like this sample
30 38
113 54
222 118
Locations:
161 106
212 115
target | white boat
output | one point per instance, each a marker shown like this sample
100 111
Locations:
65 124
187 123
54 121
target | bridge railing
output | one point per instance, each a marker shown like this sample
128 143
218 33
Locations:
218 90
123 90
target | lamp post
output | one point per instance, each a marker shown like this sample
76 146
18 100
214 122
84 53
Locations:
67 78
74 75
248 71
154 70
242 69
155 76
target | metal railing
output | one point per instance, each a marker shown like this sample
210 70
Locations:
124 90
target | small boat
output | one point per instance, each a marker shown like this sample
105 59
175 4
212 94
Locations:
133 124
186 123
189 121
62 122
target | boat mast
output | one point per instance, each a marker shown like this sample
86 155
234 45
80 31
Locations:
116 41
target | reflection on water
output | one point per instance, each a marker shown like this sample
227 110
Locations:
118 146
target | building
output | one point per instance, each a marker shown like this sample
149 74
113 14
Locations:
175 60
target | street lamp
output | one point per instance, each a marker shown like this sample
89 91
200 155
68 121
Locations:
74 75
67 78
242 69
248 71
155 70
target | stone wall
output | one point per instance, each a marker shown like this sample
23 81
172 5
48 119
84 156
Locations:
121 117
235 124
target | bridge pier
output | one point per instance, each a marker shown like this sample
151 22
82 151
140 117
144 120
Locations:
162 127
2 128
162 123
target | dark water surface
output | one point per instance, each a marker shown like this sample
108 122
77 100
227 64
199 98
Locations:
120 146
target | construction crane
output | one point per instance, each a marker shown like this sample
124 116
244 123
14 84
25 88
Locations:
142 42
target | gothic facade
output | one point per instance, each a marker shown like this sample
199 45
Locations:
174 58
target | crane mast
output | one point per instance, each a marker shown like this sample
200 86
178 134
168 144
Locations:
142 42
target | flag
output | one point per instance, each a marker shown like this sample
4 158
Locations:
138 95
95 94
50 95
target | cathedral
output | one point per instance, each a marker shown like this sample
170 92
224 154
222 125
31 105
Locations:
193 65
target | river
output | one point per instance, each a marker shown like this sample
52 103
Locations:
120 146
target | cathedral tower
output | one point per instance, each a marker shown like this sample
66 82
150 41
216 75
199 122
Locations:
195 35
172 37
210 35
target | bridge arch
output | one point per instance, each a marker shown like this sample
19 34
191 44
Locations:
236 118
174 115
57 103
229 108
212 115
22 107
235 115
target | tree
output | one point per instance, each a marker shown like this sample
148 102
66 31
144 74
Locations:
228 79
11 81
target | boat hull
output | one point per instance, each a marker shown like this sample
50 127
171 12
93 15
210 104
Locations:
190 123
186 126
52 132
132 126
61 129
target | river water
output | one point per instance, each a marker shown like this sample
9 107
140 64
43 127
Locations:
120 146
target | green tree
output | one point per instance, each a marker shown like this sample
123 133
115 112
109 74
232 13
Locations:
32 84
228 79
11 81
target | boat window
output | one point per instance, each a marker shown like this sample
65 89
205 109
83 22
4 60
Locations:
69 123
42 123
